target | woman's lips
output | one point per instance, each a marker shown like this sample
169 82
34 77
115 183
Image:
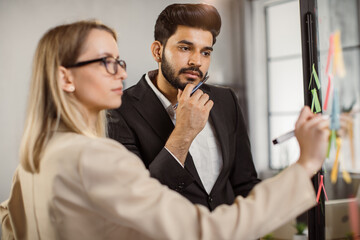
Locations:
118 90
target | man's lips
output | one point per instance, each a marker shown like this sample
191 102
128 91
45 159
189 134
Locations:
192 73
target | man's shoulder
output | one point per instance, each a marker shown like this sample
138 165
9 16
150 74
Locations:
221 94
132 90
131 97
217 89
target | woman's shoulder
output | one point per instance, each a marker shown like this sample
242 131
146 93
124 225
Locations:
73 142
72 150
94 157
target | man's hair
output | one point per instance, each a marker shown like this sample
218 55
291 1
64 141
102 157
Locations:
203 16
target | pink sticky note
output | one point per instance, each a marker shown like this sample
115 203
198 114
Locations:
327 92
321 187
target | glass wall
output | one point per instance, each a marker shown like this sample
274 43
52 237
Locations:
338 41
285 87
339 72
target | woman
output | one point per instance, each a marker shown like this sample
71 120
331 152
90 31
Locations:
73 183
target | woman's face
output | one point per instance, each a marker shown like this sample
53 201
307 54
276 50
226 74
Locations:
95 88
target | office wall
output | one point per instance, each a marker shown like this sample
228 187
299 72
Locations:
22 23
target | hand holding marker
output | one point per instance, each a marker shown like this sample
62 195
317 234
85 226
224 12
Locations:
288 135
291 134
195 88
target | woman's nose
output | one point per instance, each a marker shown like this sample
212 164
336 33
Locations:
121 73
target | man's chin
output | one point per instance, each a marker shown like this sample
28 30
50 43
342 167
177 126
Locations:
181 87
182 82
191 80
186 81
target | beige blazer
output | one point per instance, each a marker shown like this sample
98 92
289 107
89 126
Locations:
91 188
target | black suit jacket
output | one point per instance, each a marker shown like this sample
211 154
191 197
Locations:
143 126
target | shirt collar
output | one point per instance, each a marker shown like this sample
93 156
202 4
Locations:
164 101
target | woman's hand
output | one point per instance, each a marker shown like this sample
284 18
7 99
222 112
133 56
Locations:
312 132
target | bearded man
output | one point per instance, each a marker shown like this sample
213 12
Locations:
195 142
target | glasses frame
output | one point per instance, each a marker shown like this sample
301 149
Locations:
120 62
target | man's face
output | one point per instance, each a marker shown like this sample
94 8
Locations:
186 56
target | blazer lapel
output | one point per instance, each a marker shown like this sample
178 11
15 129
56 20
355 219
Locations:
220 129
190 167
150 108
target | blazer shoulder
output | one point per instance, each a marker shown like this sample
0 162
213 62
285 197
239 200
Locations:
137 89
222 95
134 93
73 144
222 92
218 88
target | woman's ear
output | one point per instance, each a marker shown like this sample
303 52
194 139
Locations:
66 80
156 50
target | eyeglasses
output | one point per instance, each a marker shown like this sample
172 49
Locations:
110 63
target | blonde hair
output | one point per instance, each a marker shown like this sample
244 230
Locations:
48 104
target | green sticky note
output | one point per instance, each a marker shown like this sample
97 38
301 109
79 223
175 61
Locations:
315 76
332 139
315 102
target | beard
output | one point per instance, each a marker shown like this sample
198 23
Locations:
169 73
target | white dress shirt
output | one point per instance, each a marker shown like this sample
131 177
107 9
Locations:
205 148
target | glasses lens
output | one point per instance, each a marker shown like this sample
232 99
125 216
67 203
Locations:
110 64
122 64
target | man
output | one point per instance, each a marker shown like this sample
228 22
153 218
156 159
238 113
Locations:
206 157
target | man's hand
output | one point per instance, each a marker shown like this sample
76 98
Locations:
312 132
193 111
192 114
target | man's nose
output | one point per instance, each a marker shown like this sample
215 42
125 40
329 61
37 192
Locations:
195 59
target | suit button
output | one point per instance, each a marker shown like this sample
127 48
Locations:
210 199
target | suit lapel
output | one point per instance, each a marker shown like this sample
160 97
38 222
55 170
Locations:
150 108
190 167
218 123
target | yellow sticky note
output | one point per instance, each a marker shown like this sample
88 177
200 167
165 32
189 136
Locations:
335 169
346 176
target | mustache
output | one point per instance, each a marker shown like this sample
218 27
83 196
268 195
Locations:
195 69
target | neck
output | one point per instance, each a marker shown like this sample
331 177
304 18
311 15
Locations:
166 88
92 118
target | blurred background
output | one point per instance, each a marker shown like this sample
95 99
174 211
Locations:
258 54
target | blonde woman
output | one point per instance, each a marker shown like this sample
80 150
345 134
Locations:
73 183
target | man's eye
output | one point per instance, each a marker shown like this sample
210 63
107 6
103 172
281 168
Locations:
206 54
184 48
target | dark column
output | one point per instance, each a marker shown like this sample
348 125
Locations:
309 39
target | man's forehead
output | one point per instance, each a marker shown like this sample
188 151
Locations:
185 34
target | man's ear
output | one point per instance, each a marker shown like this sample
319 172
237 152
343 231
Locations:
156 50
66 80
